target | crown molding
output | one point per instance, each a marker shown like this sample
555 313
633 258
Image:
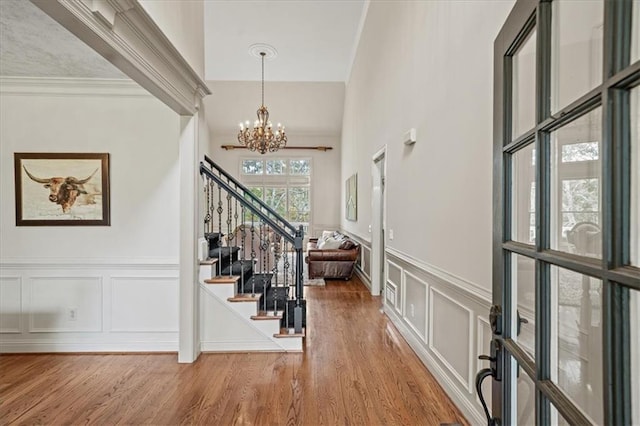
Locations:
123 33
38 86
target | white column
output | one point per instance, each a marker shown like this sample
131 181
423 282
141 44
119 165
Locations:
189 340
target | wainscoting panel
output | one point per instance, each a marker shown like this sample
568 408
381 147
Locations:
394 284
65 304
133 311
446 329
394 272
10 305
363 264
415 304
452 344
103 306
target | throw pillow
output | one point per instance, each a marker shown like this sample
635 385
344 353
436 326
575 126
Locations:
326 235
347 244
331 244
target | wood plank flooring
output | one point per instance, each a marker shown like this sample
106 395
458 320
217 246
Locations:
356 370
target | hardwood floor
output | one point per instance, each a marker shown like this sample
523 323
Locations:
356 370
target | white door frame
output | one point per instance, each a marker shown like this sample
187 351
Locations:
378 208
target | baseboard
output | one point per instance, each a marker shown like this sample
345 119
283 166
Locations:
81 347
473 414
365 280
242 346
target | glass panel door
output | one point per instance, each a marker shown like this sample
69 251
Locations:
566 262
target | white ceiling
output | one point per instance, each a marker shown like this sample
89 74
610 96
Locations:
315 39
303 108
304 89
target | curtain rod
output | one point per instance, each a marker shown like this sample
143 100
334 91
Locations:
316 148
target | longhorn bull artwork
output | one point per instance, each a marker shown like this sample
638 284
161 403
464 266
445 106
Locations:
66 191
48 191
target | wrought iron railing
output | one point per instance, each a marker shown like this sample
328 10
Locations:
261 246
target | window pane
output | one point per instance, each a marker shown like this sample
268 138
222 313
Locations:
276 198
524 87
258 191
299 204
575 188
276 167
300 167
586 151
523 185
635 176
635 355
526 396
635 35
523 287
577 340
576 60
252 167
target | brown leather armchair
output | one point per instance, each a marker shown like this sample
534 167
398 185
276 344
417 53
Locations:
332 263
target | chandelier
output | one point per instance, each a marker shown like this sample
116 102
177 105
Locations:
261 137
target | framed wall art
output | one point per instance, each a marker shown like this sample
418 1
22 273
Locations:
351 201
62 189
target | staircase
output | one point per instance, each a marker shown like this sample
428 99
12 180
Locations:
254 261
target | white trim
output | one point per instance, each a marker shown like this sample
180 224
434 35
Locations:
67 263
41 86
477 292
460 399
480 320
249 345
356 41
107 347
468 383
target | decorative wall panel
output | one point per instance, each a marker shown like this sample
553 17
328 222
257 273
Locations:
10 305
132 310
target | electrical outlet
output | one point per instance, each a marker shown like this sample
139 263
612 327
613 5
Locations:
412 310
73 314
391 234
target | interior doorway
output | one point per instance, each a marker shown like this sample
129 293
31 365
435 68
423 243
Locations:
378 174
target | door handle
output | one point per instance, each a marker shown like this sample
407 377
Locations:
493 371
483 374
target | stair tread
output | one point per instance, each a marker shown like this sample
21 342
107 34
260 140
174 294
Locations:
209 261
286 332
267 315
245 297
223 279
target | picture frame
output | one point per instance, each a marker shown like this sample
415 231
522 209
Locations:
351 198
62 189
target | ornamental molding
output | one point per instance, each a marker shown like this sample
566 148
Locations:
124 33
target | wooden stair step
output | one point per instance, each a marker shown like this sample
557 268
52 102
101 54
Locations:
286 332
209 261
223 279
264 315
245 297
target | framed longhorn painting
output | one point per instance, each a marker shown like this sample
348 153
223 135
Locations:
62 189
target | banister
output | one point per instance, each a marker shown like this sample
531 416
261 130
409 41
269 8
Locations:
247 191
275 226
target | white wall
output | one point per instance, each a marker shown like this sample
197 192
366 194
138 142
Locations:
326 185
121 279
429 66
183 24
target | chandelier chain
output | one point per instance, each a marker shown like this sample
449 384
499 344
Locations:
262 54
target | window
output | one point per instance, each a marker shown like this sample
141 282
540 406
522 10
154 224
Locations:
284 184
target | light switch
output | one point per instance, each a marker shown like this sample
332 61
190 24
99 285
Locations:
391 234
